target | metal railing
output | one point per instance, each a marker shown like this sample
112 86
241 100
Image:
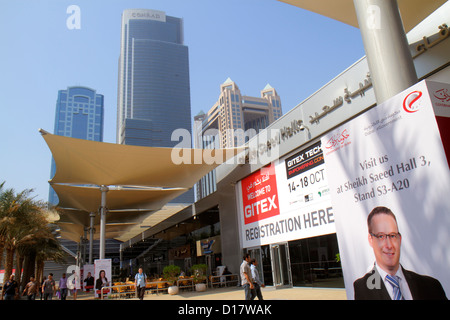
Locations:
224 280
129 290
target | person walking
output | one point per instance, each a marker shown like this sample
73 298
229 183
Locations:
246 278
41 286
10 289
139 283
31 289
73 284
49 287
256 279
63 287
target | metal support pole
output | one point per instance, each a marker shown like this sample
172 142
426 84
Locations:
104 190
91 236
121 256
391 65
83 247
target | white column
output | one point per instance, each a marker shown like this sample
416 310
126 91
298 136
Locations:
91 236
104 190
391 66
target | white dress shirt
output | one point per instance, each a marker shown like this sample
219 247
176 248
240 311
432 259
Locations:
404 288
255 275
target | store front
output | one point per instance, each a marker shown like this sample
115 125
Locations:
192 239
311 262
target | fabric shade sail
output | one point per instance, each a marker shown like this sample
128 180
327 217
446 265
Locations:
140 181
89 198
85 162
412 11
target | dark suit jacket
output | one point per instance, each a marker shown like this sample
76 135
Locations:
421 287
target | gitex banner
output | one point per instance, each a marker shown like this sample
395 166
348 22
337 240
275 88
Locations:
389 164
260 195
286 200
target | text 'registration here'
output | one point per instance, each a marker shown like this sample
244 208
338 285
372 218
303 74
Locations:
311 219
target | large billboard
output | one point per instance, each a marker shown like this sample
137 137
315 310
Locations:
286 200
390 182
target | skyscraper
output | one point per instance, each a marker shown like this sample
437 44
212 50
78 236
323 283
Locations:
79 114
153 89
231 121
234 113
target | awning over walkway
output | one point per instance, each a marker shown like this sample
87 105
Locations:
88 198
412 11
85 162
141 181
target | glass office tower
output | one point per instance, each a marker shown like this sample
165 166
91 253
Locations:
154 90
153 84
79 114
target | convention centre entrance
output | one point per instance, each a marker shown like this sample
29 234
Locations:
310 262
273 263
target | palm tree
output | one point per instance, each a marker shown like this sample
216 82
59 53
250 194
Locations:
47 248
24 231
14 226
8 207
2 243
39 242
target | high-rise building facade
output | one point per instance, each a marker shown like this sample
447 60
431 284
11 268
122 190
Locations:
234 113
232 120
153 88
79 114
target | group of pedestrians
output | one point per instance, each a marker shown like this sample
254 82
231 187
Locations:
250 279
47 289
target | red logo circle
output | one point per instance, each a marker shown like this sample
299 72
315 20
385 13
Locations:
409 104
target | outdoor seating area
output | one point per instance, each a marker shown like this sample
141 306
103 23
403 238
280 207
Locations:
127 289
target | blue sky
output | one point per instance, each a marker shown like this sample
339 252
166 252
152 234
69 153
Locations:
294 50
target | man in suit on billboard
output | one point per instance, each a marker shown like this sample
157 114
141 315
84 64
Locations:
388 279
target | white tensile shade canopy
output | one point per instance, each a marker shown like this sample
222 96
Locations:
85 162
412 11
140 180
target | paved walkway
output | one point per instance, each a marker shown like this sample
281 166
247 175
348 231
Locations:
269 293
237 293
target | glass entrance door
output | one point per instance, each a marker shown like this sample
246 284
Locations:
255 253
281 267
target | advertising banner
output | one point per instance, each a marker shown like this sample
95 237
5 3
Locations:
209 246
391 158
287 200
103 274
88 277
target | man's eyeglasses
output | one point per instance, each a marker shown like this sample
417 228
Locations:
382 237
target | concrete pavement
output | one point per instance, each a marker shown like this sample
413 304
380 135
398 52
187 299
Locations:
269 293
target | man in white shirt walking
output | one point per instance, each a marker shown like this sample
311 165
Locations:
139 283
256 279
246 278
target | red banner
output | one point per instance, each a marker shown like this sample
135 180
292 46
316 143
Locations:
259 195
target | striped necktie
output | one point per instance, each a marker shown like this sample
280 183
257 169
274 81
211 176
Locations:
393 280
